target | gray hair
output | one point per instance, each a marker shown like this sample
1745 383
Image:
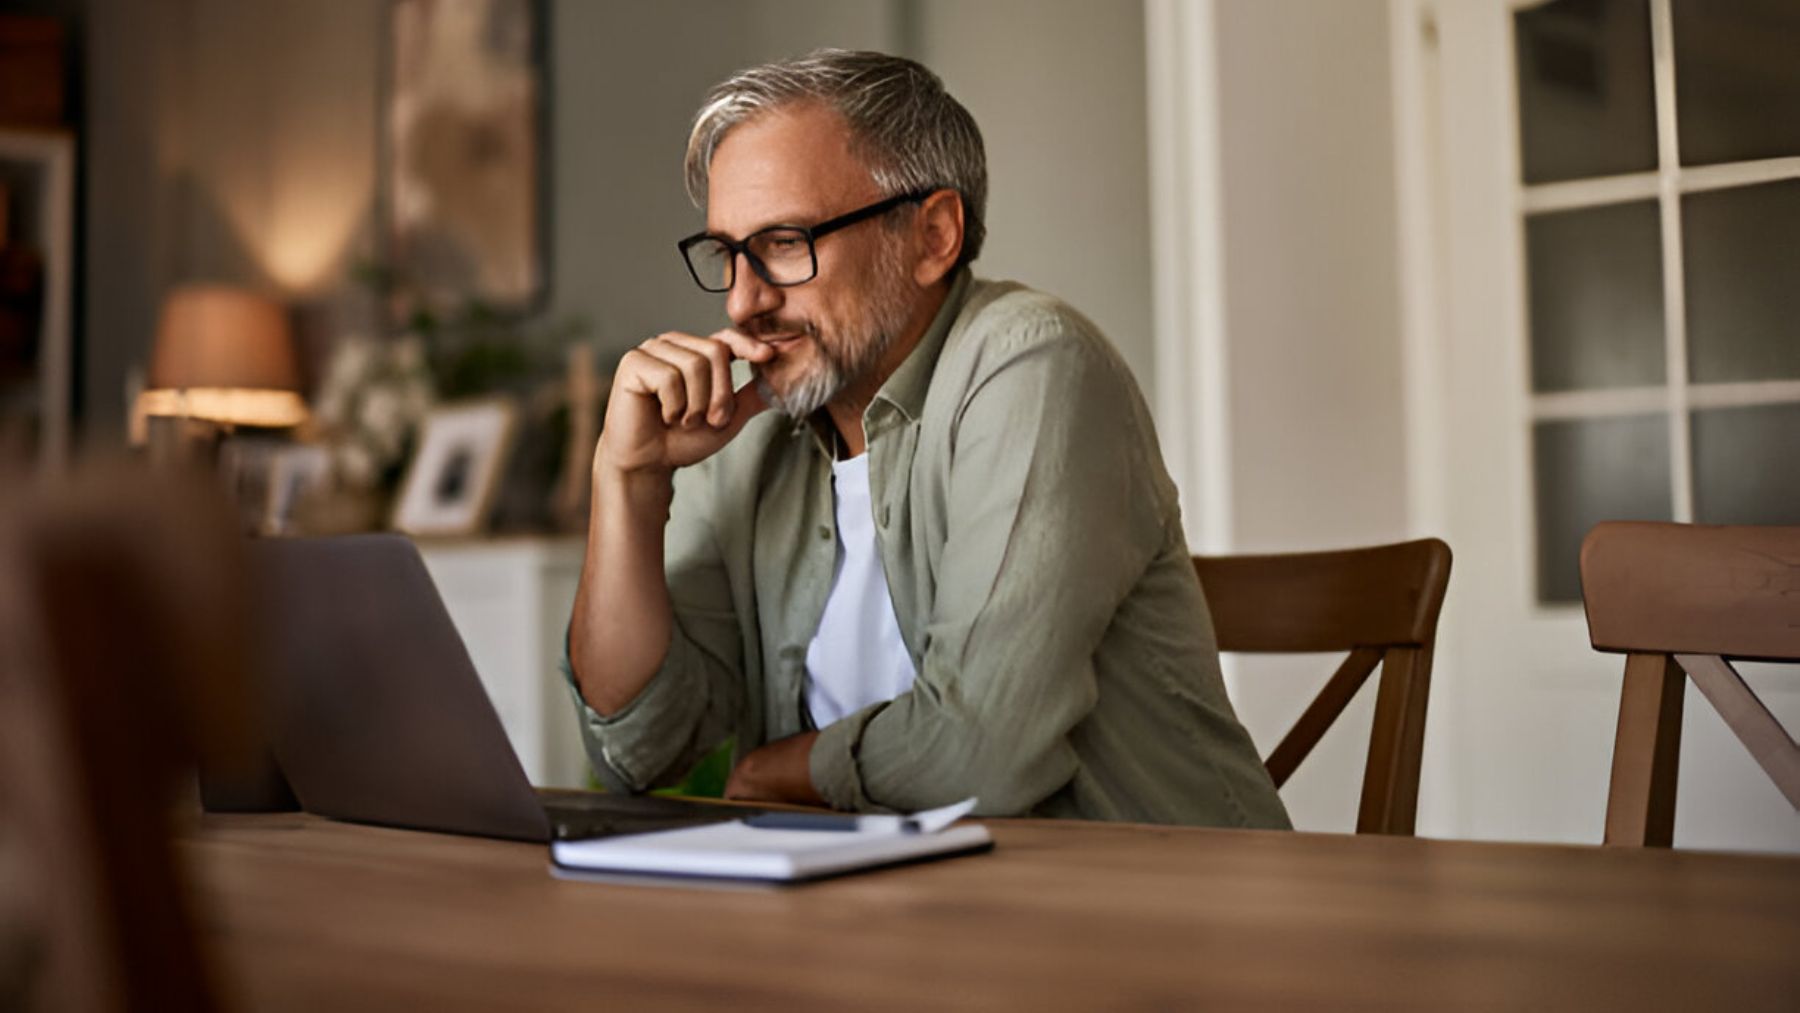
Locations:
903 124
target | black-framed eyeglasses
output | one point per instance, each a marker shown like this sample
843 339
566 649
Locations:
781 255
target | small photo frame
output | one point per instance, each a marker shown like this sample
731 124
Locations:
450 485
295 472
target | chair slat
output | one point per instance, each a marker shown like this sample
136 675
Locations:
1319 715
1383 596
1754 726
1693 589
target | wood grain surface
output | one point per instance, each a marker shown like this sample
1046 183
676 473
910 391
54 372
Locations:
306 914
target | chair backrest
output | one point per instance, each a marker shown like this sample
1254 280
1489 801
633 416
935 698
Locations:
122 662
1686 598
1381 605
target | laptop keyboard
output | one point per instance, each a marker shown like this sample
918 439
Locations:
577 815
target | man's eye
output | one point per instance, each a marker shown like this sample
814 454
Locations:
782 244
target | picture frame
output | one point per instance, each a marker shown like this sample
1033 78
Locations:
463 154
295 472
450 484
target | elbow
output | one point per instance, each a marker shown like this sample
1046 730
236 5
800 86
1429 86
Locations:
1010 775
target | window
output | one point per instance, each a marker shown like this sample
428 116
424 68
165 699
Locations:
1660 196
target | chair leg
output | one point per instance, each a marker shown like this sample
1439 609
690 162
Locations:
1640 807
1390 794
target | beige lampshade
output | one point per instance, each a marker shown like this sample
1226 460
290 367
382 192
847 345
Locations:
225 355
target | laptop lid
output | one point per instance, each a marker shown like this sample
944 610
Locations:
376 714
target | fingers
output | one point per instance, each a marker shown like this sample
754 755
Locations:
696 376
690 376
743 346
745 405
716 362
642 371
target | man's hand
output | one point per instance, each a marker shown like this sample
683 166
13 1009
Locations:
672 404
777 772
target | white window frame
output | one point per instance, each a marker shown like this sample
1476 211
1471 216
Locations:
1676 398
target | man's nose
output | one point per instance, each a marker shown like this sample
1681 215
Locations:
750 295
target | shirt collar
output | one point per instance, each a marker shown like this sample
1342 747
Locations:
906 389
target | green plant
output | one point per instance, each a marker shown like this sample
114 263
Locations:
472 347
706 780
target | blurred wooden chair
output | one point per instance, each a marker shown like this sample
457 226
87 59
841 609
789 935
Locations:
1381 605
1686 598
122 663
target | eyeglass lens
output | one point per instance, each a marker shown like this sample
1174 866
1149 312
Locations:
785 256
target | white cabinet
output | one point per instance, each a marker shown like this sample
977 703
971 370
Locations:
510 599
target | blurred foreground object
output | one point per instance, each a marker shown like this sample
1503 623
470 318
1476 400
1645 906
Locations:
33 76
123 663
224 357
37 273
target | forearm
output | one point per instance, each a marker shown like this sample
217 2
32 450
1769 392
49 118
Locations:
619 632
916 753
777 772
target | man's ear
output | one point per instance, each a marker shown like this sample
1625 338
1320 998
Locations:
940 229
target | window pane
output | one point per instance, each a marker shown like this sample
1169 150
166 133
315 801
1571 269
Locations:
1743 281
1588 471
1736 89
1596 297
1747 465
1585 93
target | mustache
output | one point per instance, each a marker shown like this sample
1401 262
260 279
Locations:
768 323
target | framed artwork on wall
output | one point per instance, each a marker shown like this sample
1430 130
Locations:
463 181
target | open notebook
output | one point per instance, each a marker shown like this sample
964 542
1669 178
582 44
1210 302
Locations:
774 847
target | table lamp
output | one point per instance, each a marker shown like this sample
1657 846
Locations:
224 357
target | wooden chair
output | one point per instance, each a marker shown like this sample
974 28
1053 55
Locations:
1686 598
1380 604
122 663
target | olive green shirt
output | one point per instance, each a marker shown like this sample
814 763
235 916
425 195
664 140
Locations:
1034 552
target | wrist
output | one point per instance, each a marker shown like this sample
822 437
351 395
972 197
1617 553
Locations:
639 490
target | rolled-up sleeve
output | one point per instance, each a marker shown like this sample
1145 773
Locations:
1053 515
690 706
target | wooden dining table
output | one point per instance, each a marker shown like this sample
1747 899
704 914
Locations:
304 913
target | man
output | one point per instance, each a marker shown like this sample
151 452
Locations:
930 552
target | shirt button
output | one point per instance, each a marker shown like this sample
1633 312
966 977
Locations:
824 533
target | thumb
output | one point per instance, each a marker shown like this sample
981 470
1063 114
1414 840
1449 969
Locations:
746 404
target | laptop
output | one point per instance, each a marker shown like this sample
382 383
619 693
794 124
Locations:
375 713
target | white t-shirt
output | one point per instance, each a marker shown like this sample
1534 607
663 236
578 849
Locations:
857 657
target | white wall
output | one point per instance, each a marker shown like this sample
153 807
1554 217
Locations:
1312 287
629 78
1284 168
1058 89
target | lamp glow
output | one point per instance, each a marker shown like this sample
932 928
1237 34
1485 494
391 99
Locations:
224 355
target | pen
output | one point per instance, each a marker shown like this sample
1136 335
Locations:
929 822
833 821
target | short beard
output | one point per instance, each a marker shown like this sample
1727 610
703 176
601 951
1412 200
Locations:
857 347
